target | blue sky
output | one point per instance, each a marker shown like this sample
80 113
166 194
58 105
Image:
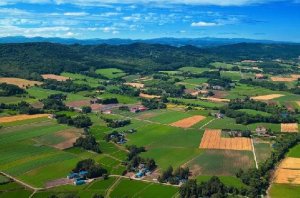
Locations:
83 19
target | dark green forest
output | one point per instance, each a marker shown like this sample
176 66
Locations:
29 60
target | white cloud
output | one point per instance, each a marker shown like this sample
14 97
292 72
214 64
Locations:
110 14
203 24
75 13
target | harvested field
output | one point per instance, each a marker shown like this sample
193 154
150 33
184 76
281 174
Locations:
212 140
188 122
136 85
216 99
22 83
288 171
289 127
267 97
147 96
80 103
283 79
55 77
58 182
295 76
21 117
70 137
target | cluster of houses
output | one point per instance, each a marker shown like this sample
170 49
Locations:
78 178
142 171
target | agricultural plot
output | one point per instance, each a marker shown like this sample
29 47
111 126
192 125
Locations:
294 152
213 99
254 112
82 79
262 151
111 73
195 70
233 75
284 190
289 127
227 180
22 83
13 189
267 97
135 85
147 96
21 117
288 171
55 77
169 116
225 123
121 98
188 122
212 140
221 65
221 162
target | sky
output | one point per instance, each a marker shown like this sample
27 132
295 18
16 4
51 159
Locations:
85 19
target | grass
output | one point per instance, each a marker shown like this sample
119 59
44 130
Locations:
262 151
254 112
131 188
111 73
221 65
202 103
233 75
284 190
194 70
221 162
169 117
294 152
121 98
227 180
225 123
82 79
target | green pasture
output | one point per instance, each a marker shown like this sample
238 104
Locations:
233 75
82 79
221 65
225 123
227 180
123 99
111 73
254 112
284 190
201 103
170 116
195 70
262 151
294 152
221 162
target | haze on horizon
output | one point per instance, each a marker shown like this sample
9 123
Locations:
253 19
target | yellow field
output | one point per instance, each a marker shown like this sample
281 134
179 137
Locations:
216 99
267 97
289 127
188 122
136 85
22 83
55 77
21 117
147 96
212 140
288 171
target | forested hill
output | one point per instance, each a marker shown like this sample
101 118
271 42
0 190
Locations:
28 60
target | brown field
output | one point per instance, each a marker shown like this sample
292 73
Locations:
188 122
288 171
267 97
212 140
22 83
282 79
213 99
295 76
147 96
136 85
289 127
21 117
55 77
70 136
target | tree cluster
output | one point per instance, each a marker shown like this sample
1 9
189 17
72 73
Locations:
174 176
10 90
116 123
89 165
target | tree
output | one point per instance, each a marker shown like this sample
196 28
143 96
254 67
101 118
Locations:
82 121
86 109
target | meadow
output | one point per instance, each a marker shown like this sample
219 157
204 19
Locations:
111 73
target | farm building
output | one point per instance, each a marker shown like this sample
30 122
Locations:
259 76
137 109
261 130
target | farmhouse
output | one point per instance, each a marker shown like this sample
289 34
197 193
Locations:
259 76
261 131
136 109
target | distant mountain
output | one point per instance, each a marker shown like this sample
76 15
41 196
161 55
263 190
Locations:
198 42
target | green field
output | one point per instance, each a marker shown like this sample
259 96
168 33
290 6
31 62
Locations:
111 73
221 162
221 65
233 75
82 79
254 112
294 152
227 180
262 151
283 190
121 98
195 70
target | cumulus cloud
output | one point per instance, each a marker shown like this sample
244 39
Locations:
203 24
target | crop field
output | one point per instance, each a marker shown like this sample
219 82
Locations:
22 83
225 123
201 103
196 70
188 122
148 96
111 73
233 75
227 180
212 140
55 77
288 171
294 152
221 162
221 65
13 189
121 98
21 117
213 99
267 97
136 85
262 151
284 190
169 116
289 127
254 112
82 79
